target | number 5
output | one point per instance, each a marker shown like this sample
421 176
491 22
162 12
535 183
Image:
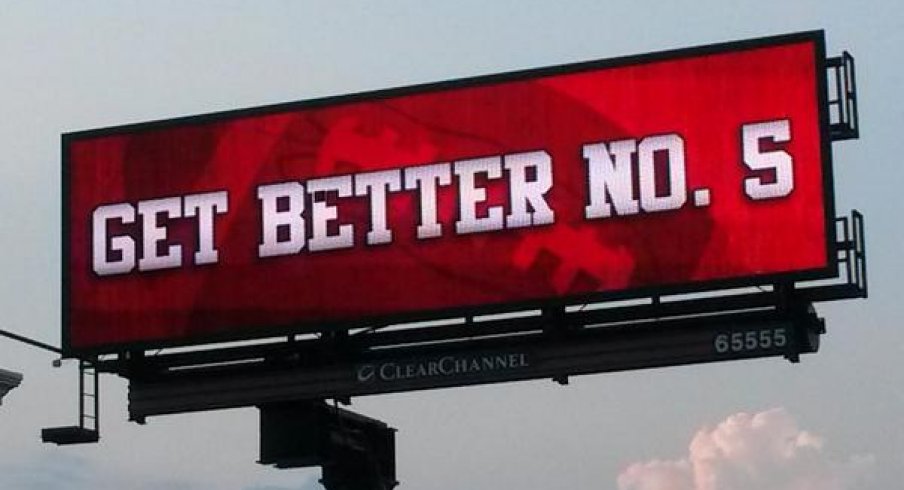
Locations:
780 339
750 342
777 162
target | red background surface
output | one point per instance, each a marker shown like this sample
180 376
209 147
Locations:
704 98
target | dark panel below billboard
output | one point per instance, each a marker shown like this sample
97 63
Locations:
657 344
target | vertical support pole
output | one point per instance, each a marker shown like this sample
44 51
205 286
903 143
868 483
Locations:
96 398
860 252
81 394
786 306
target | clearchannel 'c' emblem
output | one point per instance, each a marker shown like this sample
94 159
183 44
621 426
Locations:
366 373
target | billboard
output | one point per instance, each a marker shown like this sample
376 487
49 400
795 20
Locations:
683 170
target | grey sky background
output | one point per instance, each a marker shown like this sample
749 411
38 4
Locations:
834 419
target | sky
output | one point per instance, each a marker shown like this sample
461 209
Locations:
830 422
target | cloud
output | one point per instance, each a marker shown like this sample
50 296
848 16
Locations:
657 475
766 450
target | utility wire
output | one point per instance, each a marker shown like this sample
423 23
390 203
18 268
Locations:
31 342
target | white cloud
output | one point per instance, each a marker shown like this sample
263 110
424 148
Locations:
657 475
759 451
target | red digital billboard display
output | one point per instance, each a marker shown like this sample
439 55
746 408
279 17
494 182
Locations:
682 170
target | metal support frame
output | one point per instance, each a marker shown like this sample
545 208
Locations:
89 401
844 122
88 430
355 452
851 260
593 349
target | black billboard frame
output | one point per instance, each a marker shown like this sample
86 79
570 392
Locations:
249 332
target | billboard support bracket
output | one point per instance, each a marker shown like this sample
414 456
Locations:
88 430
355 452
844 117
